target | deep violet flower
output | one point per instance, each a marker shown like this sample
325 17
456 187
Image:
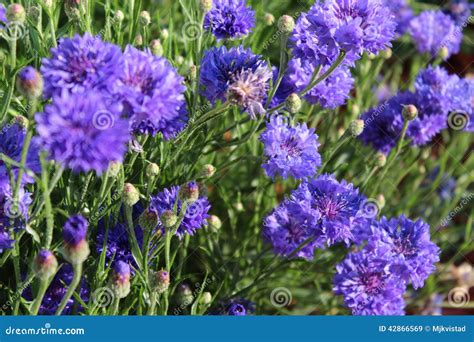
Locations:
290 151
229 19
402 13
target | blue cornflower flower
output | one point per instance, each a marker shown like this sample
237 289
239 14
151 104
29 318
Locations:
433 30
152 93
459 11
81 64
234 307
402 13
368 286
83 132
290 151
236 75
195 216
229 19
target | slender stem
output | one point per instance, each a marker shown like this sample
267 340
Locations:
16 266
115 310
44 283
48 207
77 268
152 307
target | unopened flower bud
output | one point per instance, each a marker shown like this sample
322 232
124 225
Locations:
16 13
189 192
29 83
192 72
120 282
357 127
208 170
130 194
179 60
268 19
48 3
184 295
148 220
34 14
45 264
293 103
239 207
138 41
85 212
443 53
76 248
114 169
214 222
380 201
162 281
355 109
22 121
75 8
152 170
119 17
164 34
410 112
168 218
380 159
145 18
206 298
206 5
387 53
156 47
286 24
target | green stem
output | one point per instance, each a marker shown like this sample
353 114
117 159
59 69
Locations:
44 283
77 268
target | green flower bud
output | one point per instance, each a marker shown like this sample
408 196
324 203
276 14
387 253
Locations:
184 295
208 170
45 264
286 24
22 121
410 112
76 254
269 19
443 53
48 3
16 13
206 298
168 218
192 72
293 103
206 5
130 194
357 127
380 159
30 83
152 170
189 192
387 53
114 169
119 17
156 47
214 222
162 281
138 41
380 201
145 18
165 34
148 220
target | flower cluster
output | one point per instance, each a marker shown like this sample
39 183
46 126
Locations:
229 19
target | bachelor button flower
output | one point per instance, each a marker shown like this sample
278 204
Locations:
58 288
413 253
152 93
402 13
234 307
235 74
290 226
229 19
11 145
338 204
76 247
290 151
368 286
83 132
80 64
334 25
330 93
433 30
29 83
196 213
121 279
459 11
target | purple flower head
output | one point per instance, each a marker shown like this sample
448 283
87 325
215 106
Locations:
12 137
229 19
338 204
13 214
330 93
413 253
290 151
291 226
83 132
75 230
236 73
30 82
45 257
195 216
433 30
334 25
459 11
81 64
58 288
368 286
3 14
462 115
5 241
152 93
121 272
234 307
402 13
